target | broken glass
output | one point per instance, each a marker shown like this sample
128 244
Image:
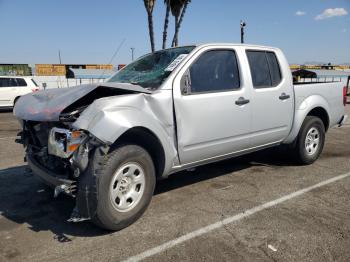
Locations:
151 70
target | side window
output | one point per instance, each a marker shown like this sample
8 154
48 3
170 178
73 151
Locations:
275 71
215 71
4 82
13 82
21 82
264 69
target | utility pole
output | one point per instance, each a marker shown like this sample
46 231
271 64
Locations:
59 56
132 53
243 24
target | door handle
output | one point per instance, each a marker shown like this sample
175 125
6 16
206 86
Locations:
284 96
242 101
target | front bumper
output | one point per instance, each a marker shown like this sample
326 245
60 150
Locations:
54 180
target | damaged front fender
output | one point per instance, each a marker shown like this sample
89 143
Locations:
109 118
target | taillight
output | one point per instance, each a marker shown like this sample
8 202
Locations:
345 93
35 89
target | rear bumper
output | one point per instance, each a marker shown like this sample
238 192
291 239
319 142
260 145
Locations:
54 180
343 120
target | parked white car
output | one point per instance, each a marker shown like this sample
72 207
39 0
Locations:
13 87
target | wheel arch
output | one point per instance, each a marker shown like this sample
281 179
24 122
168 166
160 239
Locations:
321 113
15 100
145 138
311 106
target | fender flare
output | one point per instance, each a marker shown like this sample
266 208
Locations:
305 106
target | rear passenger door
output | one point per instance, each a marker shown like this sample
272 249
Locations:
272 98
212 107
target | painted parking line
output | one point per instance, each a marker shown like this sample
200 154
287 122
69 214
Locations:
232 219
8 137
9 122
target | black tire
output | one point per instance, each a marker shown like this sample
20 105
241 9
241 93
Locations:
303 155
107 216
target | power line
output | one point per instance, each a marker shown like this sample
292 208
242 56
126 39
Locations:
114 55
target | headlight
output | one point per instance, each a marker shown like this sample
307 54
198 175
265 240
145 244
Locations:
63 142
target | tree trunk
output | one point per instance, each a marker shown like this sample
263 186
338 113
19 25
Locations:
176 30
175 41
166 24
151 31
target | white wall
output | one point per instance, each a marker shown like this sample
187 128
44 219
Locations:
61 81
324 79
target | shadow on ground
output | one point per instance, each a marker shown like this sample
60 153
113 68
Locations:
24 199
6 110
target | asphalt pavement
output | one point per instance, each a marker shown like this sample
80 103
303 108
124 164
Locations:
260 207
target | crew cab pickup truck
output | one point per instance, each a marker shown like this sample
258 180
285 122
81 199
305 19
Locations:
107 144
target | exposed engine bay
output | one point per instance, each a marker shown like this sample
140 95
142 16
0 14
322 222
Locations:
63 153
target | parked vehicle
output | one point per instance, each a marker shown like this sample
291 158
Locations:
13 87
107 144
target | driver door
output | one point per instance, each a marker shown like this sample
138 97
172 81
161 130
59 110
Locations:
212 107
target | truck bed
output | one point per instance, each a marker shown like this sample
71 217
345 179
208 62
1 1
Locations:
328 95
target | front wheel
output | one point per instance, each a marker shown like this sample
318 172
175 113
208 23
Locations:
310 141
125 187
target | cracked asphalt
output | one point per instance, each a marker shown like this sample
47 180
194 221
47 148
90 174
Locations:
312 227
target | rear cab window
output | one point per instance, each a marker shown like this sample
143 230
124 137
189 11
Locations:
265 69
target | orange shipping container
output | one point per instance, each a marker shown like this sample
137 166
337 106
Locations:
50 70
102 66
60 70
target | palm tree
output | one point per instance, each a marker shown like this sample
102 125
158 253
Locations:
149 5
178 9
166 22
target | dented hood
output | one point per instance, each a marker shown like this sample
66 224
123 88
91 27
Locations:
47 105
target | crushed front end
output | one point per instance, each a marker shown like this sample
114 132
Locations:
63 155
55 153
60 157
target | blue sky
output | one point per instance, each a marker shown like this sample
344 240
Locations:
32 31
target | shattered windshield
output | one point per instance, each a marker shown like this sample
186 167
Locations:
151 70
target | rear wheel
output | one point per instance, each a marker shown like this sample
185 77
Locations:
310 141
125 187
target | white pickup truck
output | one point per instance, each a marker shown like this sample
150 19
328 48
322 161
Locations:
108 143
